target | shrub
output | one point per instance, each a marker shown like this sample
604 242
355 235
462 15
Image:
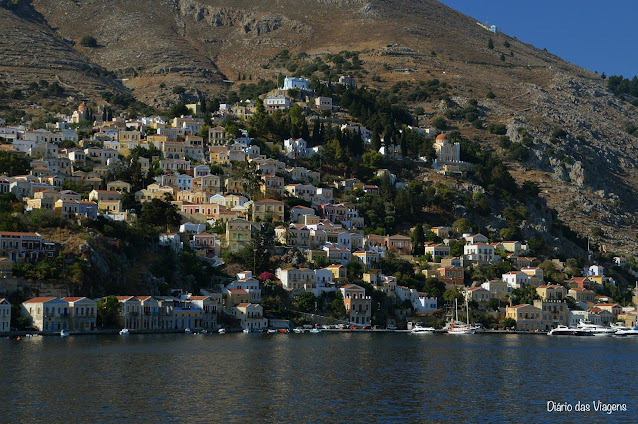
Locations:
439 123
88 41
498 129
490 95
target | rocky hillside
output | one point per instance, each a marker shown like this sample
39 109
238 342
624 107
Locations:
572 126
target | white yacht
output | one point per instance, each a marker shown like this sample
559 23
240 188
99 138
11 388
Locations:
627 332
595 329
419 329
563 330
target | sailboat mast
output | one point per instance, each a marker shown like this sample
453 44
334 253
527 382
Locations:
467 310
456 308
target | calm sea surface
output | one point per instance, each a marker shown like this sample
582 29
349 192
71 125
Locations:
315 378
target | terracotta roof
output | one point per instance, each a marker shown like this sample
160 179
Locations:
72 299
198 297
13 233
441 137
40 299
237 291
122 298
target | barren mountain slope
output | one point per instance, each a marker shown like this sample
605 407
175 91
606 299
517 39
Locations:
588 176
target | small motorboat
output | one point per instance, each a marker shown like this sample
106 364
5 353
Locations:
315 330
64 333
222 331
284 330
422 330
204 331
245 330
298 330
187 330
124 332
272 331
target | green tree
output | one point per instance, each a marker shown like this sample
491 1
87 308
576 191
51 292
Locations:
462 225
107 311
338 308
13 164
88 41
453 293
509 323
160 213
306 302
439 123
418 240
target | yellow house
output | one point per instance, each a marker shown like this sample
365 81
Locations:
268 207
527 317
338 271
219 155
120 186
238 233
313 255
235 185
233 297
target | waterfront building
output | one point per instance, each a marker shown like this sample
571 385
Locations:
47 314
5 315
82 313
251 316
527 317
358 305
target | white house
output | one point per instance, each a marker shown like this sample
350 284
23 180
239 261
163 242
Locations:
594 271
5 315
300 83
172 240
278 102
296 279
297 148
184 182
479 252
516 279
420 301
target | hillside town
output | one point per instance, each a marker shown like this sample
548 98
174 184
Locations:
234 200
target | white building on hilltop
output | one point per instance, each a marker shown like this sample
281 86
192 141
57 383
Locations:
300 83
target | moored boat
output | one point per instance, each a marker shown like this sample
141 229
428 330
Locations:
124 332
596 329
222 331
563 330
64 333
419 329
461 329
315 330
628 332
